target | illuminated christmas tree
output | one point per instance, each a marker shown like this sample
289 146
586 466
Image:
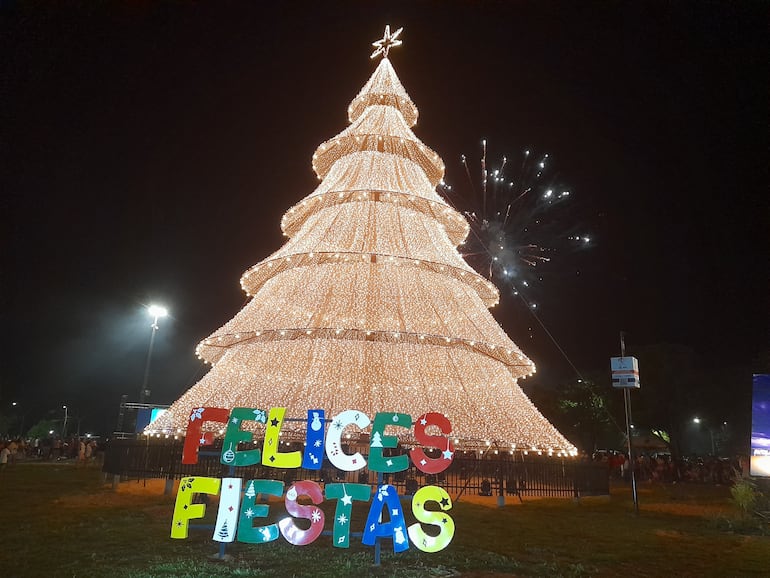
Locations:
369 306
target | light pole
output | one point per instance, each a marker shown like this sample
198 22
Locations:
697 421
64 425
156 312
15 406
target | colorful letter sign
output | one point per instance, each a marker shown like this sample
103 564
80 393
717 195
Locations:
239 510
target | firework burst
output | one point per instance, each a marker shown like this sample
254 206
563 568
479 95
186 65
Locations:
520 223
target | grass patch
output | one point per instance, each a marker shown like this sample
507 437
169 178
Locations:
63 521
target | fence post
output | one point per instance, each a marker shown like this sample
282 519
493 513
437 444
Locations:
500 480
172 461
576 472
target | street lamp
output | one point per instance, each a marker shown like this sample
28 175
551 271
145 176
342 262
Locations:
697 421
156 312
15 406
64 426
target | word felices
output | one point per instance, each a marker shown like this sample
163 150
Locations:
319 442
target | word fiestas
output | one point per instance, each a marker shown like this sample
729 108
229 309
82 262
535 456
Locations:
236 516
317 438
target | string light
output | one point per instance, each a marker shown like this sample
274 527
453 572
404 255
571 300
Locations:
369 305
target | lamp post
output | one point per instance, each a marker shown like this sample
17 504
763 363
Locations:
156 312
15 406
697 421
64 425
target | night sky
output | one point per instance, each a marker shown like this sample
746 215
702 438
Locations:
149 150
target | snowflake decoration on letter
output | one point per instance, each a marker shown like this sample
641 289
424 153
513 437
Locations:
316 516
342 519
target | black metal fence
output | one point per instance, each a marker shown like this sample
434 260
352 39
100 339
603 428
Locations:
488 474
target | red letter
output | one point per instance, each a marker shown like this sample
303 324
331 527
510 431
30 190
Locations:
287 526
194 438
419 459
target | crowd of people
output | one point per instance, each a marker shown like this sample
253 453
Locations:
661 467
84 450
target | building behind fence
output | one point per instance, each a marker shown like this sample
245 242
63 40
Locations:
488 474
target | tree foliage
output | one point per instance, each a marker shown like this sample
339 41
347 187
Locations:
670 389
586 414
677 385
41 428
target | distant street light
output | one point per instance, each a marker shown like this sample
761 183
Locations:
697 420
156 312
64 426
15 406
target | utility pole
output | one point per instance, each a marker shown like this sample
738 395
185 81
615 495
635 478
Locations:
627 400
625 375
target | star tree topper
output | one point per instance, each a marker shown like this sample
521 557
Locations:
387 42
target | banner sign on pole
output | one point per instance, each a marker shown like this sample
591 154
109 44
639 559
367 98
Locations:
625 372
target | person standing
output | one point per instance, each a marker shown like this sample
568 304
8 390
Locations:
81 453
90 447
4 453
13 448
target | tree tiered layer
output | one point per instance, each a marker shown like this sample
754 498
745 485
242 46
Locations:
369 305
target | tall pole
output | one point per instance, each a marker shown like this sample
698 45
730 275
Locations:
143 391
121 413
631 460
15 406
155 311
64 426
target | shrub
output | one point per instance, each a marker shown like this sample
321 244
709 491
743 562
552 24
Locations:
745 496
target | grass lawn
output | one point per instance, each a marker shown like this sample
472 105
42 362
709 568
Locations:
59 520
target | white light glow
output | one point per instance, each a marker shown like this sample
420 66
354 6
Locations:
157 311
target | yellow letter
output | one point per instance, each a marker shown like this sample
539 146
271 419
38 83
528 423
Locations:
446 525
184 509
